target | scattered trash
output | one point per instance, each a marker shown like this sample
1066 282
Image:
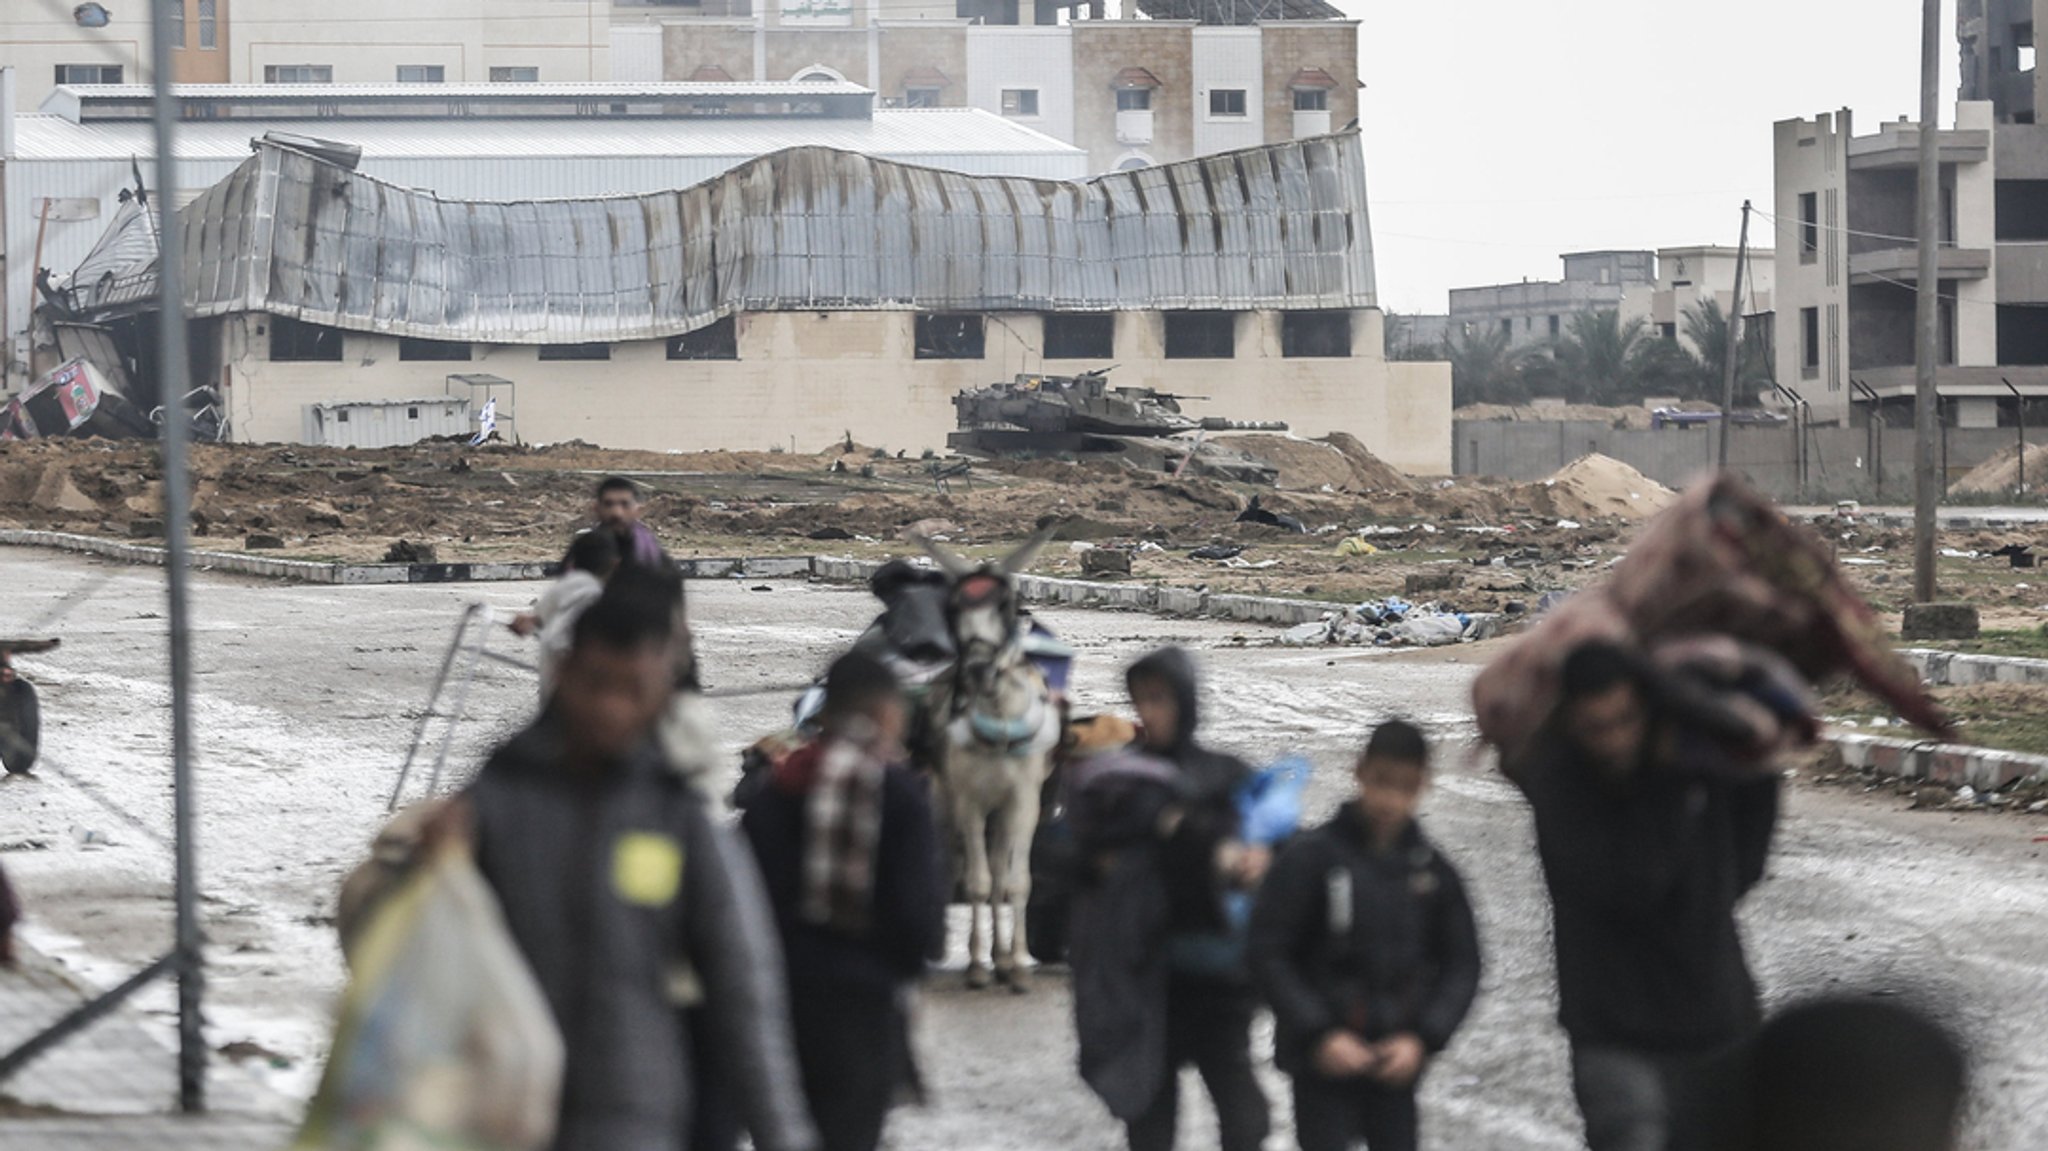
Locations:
1255 513
1572 525
1353 546
1216 552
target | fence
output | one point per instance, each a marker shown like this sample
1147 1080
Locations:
1859 463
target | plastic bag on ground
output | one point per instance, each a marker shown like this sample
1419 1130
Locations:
445 1040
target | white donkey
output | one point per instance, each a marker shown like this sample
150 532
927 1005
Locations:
994 727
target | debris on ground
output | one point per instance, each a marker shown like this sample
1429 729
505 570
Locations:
1394 622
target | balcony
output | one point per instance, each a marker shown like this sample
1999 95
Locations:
1134 126
1898 146
1311 124
1954 382
1902 265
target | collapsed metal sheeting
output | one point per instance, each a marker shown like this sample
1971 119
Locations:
1276 227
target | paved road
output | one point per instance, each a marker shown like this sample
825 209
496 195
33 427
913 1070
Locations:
306 698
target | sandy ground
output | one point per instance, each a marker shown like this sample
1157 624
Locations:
306 696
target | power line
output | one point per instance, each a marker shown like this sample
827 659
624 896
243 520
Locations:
1843 230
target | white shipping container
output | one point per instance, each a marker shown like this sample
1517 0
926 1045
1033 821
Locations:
386 423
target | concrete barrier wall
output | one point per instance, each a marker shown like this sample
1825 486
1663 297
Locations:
1840 462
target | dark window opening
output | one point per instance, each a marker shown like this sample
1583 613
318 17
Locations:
1020 101
1556 325
1668 331
1134 99
1507 327
921 97
719 341
556 352
1088 337
295 342
1809 342
412 413
1809 227
2022 335
1201 335
951 337
437 350
2022 207
1315 335
88 73
1311 99
341 417
1226 102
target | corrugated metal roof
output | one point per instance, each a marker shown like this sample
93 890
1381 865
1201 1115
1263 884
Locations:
1278 227
894 132
90 94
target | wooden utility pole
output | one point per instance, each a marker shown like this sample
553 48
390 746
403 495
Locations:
1927 483
1728 370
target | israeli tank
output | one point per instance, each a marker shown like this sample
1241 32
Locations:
1075 414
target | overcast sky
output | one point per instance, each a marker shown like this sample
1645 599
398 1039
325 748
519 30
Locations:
1500 133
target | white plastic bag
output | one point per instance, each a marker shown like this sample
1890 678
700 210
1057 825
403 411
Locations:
445 1040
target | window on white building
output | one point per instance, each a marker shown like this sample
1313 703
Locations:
298 74
209 24
296 342
174 12
1311 99
1134 99
553 353
1809 227
88 73
439 351
1201 335
1809 343
1083 336
517 74
718 341
422 74
1226 102
1020 101
1315 335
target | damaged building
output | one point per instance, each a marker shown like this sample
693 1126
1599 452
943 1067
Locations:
797 298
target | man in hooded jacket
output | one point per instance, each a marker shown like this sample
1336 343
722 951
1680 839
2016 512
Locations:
1192 844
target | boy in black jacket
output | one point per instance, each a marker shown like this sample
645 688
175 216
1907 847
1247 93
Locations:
1364 945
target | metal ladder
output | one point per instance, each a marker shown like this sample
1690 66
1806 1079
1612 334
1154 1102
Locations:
470 648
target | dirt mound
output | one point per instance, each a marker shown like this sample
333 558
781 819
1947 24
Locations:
1593 486
1372 473
2000 474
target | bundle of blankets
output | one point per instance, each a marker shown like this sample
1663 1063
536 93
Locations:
1738 611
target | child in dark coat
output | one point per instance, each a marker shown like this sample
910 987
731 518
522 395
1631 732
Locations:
1364 945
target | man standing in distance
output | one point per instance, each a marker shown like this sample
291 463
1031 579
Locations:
618 512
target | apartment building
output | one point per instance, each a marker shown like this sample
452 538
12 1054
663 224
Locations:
1536 311
309 41
1996 41
1163 81
1848 265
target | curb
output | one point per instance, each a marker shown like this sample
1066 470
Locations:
1132 597
1949 668
1949 764
313 571
1943 521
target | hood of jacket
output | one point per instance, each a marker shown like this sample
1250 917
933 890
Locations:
1175 668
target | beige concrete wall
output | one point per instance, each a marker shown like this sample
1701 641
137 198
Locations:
790 50
687 46
1104 48
36 37
1288 48
365 40
907 47
807 379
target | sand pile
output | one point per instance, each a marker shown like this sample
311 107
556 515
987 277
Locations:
1593 486
2000 474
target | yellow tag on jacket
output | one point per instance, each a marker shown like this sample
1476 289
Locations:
647 868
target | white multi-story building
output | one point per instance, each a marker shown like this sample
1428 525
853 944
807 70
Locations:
311 42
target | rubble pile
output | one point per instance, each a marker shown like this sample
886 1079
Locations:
1594 486
2000 475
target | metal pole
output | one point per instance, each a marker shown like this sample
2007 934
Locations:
2019 410
1734 338
1926 484
173 366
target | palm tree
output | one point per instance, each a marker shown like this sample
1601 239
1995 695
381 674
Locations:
1483 368
1600 357
1707 329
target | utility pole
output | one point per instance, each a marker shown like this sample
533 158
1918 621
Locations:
172 368
1926 483
1734 339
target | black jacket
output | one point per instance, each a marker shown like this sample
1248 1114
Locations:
620 893
1344 937
1644 876
909 910
1206 802
21 726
